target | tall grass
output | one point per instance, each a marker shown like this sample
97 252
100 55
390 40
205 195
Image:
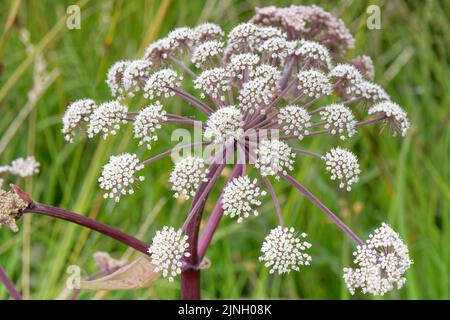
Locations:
404 181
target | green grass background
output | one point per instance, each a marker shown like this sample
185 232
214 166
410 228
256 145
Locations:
404 181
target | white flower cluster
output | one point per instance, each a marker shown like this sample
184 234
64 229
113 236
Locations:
242 35
277 48
395 116
213 82
269 74
274 156
205 52
240 197
294 119
314 84
240 63
159 83
135 75
168 248
147 122
255 95
346 76
342 165
114 78
187 176
106 119
283 251
117 177
339 120
372 92
23 167
157 51
77 113
381 262
314 54
180 39
225 124
207 31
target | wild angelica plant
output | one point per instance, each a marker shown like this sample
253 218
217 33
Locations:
280 78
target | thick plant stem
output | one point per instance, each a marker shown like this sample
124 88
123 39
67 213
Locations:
95 225
9 285
323 208
216 215
190 277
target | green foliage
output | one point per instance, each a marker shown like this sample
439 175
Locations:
404 181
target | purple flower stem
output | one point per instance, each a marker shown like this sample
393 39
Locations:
192 100
186 121
168 152
310 153
287 73
214 219
183 66
275 200
323 208
9 285
84 221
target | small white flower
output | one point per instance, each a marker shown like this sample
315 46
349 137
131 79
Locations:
106 119
169 247
205 52
314 54
158 51
242 34
187 176
283 250
135 75
240 63
159 83
372 92
147 122
339 119
346 72
213 82
224 124
240 197
179 39
255 95
381 263
24 167
117 177
264 33
347 78
276 48
114 78
294 119
207 31
77 113
268 74
343 166
274 156
395 116
314 84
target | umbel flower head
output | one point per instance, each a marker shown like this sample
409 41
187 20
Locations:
77 113
24 167
381 263
343 166
225 124
168 250
187 175
283 250
274 156
263 87
118 175
240 197
147 122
